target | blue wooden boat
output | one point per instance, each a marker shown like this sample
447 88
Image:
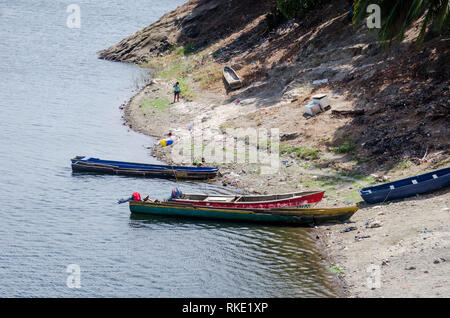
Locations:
403 188
298 216
95 165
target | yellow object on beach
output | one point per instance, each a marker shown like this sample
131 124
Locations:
166 142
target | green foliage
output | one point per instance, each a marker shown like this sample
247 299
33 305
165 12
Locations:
334 269
274 18
173 69
360 160
346 147
440 164
404 164
355 175
397 16
297 8
186 50
157 103
185 88
208 74
300 152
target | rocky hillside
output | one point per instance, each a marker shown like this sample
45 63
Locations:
197 23
390 106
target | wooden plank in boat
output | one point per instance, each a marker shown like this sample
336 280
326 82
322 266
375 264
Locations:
219 199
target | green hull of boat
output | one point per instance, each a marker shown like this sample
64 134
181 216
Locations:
287 216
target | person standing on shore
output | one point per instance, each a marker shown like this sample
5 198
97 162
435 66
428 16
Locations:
176 92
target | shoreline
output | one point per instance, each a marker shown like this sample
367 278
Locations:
134 121
380 248
385 234
371 136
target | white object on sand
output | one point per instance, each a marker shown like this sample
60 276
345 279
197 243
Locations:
322 81
313 108
322 99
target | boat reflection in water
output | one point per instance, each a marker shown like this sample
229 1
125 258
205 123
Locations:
239 259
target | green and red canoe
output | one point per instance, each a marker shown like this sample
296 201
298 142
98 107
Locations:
275 215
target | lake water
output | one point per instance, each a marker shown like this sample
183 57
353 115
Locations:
57 100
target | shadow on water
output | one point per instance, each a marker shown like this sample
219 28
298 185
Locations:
206 222
285 258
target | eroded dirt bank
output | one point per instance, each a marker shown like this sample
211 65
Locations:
389 118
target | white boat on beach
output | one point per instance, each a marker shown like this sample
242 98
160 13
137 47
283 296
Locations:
231 78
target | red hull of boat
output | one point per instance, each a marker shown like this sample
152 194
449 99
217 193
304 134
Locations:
296 202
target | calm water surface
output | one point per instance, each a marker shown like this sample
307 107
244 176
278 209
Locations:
58 100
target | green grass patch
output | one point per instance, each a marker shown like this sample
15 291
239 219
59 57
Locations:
300 152
304 165
352 196
404 164
185 88
334 269
155 104
322 184
185 50
186 65
208 75
171 70
348 147
440 164
359 160
355 176
171 66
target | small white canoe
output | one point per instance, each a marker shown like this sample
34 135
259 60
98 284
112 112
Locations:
231 78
